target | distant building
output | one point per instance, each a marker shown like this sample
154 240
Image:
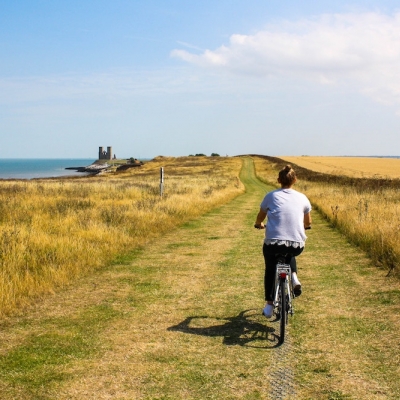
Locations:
105 155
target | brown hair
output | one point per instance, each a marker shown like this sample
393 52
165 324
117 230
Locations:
287 176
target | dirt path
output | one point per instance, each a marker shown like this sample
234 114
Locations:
195 308
181 319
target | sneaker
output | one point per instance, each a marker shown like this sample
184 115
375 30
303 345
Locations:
268 310
296 285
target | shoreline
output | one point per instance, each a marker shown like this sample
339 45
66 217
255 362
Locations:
29 171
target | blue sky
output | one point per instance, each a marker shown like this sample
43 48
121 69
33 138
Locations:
183 77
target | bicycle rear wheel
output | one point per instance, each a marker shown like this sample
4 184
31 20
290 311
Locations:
284 313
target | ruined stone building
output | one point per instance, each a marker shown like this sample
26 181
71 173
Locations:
105 155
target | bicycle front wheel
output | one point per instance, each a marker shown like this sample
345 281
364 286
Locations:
284 314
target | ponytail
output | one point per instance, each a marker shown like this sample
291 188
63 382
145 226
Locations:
287 176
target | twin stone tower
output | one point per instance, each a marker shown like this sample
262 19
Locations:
105 155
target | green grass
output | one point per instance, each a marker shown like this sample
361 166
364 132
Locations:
38 362
390 297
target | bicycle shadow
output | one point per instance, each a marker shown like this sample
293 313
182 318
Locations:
245 329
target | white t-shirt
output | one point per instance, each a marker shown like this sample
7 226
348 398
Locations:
285 209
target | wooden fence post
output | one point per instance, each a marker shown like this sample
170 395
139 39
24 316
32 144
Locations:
161 181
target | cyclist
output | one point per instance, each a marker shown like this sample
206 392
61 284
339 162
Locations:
288 215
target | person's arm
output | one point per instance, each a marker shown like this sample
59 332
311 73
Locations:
260 219
307 220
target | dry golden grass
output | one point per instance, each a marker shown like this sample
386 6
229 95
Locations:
359 167
370 218
346 323
181 319
52 231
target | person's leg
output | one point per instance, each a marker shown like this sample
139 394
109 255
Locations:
293 252
293 266
269 276
269 280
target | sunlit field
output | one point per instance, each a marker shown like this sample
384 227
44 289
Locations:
358 167
367 211
52 231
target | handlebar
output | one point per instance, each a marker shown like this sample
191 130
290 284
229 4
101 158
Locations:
259 227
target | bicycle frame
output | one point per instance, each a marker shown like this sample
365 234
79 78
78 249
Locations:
283 271
283 296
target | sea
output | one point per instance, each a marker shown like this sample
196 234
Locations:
31 168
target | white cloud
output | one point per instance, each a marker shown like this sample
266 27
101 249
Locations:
361 51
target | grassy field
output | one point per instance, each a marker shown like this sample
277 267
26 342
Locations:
367 212
346 327
359 167
52 231
181 319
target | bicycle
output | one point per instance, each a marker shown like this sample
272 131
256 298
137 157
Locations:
283 294
283 297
